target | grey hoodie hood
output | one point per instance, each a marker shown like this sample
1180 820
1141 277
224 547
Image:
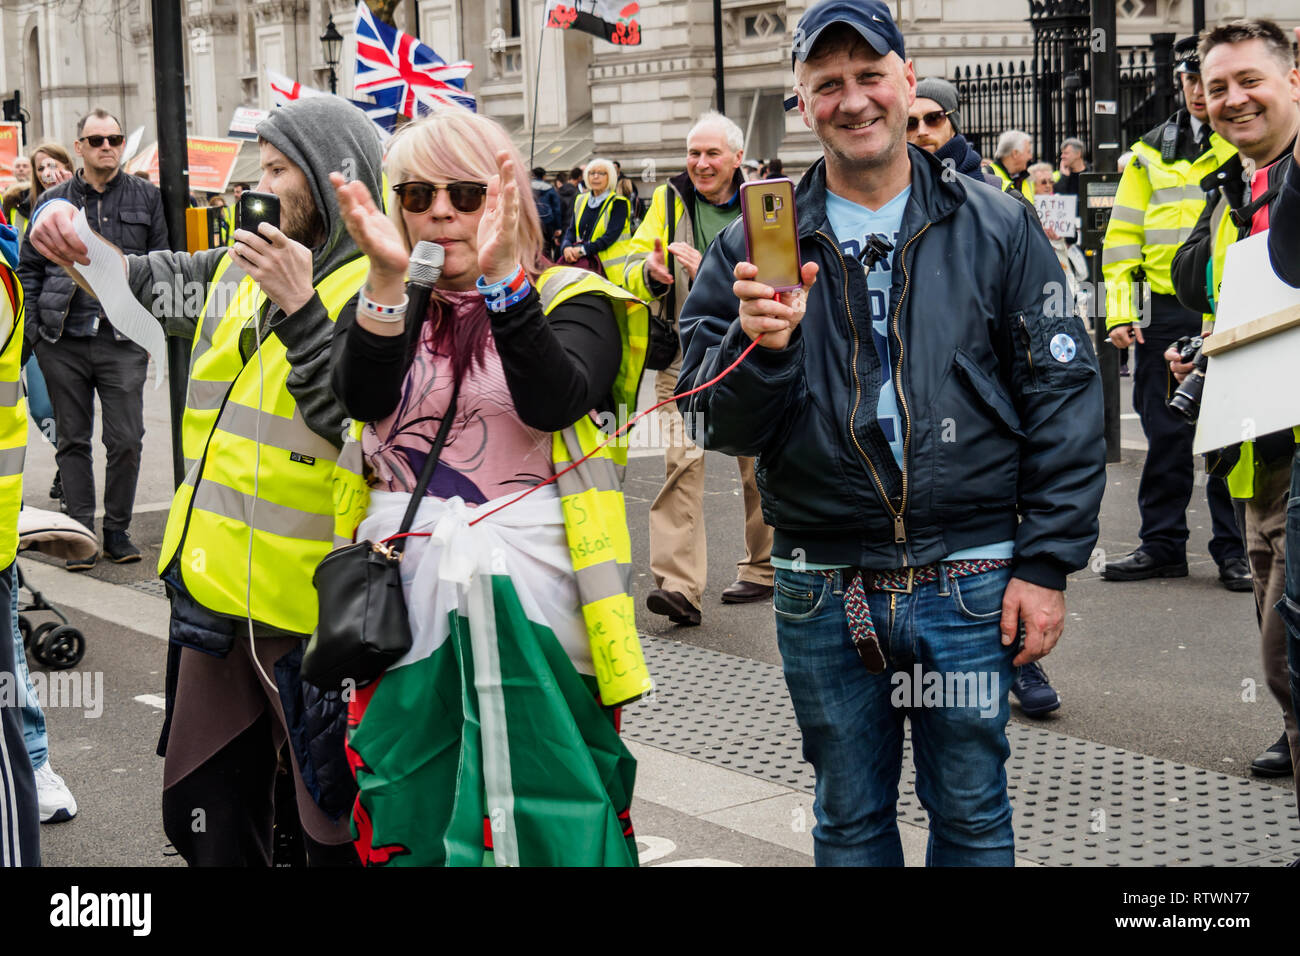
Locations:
322 135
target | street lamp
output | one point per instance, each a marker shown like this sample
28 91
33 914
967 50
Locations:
332 42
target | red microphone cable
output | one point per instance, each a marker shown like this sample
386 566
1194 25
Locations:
636 418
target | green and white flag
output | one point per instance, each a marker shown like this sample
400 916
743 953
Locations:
485 745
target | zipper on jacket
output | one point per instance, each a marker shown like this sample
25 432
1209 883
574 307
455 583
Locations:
900 532
1027 337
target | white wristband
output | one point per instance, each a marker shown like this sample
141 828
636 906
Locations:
388 314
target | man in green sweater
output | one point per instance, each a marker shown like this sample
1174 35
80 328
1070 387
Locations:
685 214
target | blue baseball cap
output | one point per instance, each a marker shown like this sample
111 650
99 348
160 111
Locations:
870 18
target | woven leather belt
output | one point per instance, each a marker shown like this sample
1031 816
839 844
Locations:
898 581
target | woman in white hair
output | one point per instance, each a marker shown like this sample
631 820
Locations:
601 232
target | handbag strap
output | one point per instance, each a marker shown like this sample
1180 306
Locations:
426 473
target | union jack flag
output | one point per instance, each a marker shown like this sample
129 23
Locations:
285 90
400 72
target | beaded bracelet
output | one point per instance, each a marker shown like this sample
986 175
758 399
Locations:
499 296
383 313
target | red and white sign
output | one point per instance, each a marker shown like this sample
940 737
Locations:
211 161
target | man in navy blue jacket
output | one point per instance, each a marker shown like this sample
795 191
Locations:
928 428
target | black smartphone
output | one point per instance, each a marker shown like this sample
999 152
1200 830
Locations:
255 209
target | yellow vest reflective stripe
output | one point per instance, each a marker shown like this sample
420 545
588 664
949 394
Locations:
613 257
350 492
13 414
595 514
1156 206
256 500
561 283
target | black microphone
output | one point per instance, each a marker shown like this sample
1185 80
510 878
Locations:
423 272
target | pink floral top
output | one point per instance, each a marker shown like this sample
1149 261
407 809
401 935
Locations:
489 451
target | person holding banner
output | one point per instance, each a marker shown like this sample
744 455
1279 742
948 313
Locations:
1252 94
508 690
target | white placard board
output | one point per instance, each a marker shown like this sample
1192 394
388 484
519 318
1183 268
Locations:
1255 389
1059 213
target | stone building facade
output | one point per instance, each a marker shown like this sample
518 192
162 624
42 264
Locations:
634 104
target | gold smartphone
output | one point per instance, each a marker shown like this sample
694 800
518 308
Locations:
771 232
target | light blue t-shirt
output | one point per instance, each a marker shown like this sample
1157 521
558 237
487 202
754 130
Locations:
853 226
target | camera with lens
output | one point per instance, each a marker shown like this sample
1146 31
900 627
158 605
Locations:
1187 400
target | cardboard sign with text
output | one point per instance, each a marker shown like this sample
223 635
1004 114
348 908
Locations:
1253 389
1058 213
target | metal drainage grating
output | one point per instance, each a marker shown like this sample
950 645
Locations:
1076 802
153 588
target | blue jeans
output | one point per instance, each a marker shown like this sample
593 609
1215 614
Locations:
39 406
34 736
1289 606
948 673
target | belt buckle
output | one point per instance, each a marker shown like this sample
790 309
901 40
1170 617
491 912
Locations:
907 589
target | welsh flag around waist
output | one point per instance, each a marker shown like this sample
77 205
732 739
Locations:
485 746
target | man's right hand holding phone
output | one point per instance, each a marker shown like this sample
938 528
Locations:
760 312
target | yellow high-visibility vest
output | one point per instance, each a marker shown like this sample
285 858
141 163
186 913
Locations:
1026 184
13 414
254 515
591 495
613 257
1156 206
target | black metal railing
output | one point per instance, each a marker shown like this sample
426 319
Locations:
1051 98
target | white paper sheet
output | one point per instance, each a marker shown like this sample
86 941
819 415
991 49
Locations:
106 275
1252 390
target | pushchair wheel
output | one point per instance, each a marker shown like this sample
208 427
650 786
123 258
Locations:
61 648
25 629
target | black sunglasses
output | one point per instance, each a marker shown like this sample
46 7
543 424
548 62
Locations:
114 140
933 118
418 197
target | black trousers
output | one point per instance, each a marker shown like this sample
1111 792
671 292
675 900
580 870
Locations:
75 369
223 813
20 815
1168 474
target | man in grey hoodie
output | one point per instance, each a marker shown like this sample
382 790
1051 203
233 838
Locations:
261 435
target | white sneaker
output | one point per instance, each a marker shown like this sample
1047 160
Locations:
56 801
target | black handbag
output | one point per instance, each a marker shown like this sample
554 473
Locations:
362 627
663 343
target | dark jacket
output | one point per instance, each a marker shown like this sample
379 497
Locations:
549 209
1002 440
1224 184
1284 234
128 213
566 193
963 156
